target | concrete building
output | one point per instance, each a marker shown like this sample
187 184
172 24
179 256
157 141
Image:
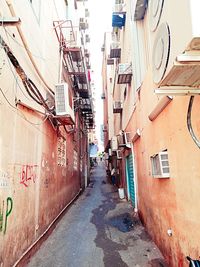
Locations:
46 114
150 78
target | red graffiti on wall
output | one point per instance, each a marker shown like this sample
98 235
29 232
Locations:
28 173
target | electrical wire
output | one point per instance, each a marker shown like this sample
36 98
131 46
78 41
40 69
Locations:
18 43
28 83
189 123
21 114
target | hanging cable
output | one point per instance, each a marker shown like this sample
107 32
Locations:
21 114
30 87
189 123
10 6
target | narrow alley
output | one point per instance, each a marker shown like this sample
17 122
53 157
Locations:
98 229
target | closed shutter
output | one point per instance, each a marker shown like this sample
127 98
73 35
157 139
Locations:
130 178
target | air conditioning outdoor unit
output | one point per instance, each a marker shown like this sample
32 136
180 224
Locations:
160 165
63 108
87 13
119 8
124 68
115 50
117 107
87 38
104 128
119 2
103 96
124 140
109 152
119 154
127 138
124 73
114 143
83 24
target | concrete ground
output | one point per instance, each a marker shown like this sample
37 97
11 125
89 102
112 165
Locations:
99 230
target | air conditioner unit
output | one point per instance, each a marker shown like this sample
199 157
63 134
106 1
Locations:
109 152
124 73
119 8
83 24
63 108
121 142
124 68
160 165
87 38
124 140
119 2
127 138
104 128
119 154
87 13
117 107
114 143
103 48
103 96
115 45
115 50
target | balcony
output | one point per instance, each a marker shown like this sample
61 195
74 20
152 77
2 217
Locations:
73 58
124 73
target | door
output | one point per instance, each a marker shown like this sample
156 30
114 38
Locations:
130 179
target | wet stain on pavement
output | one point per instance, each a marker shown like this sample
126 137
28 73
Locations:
145 236
122 222
110 248
157 263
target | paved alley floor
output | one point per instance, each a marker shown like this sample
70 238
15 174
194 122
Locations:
98 230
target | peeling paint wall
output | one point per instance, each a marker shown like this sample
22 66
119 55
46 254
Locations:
40 167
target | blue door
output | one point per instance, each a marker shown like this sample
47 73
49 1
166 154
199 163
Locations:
130 179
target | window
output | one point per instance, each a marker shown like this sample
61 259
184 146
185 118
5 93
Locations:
36 5
160 165
61 152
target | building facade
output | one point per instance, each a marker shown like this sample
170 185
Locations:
46 113
155 134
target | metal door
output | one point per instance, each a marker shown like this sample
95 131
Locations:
130 179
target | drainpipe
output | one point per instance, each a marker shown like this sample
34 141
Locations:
135 179
60 66
10 6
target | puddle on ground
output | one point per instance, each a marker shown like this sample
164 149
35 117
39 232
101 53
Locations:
123 222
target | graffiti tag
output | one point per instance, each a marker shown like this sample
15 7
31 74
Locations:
28 173
7 212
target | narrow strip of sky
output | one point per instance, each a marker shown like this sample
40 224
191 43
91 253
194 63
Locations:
100 22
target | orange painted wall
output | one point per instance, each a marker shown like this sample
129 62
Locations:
168 203
38 187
